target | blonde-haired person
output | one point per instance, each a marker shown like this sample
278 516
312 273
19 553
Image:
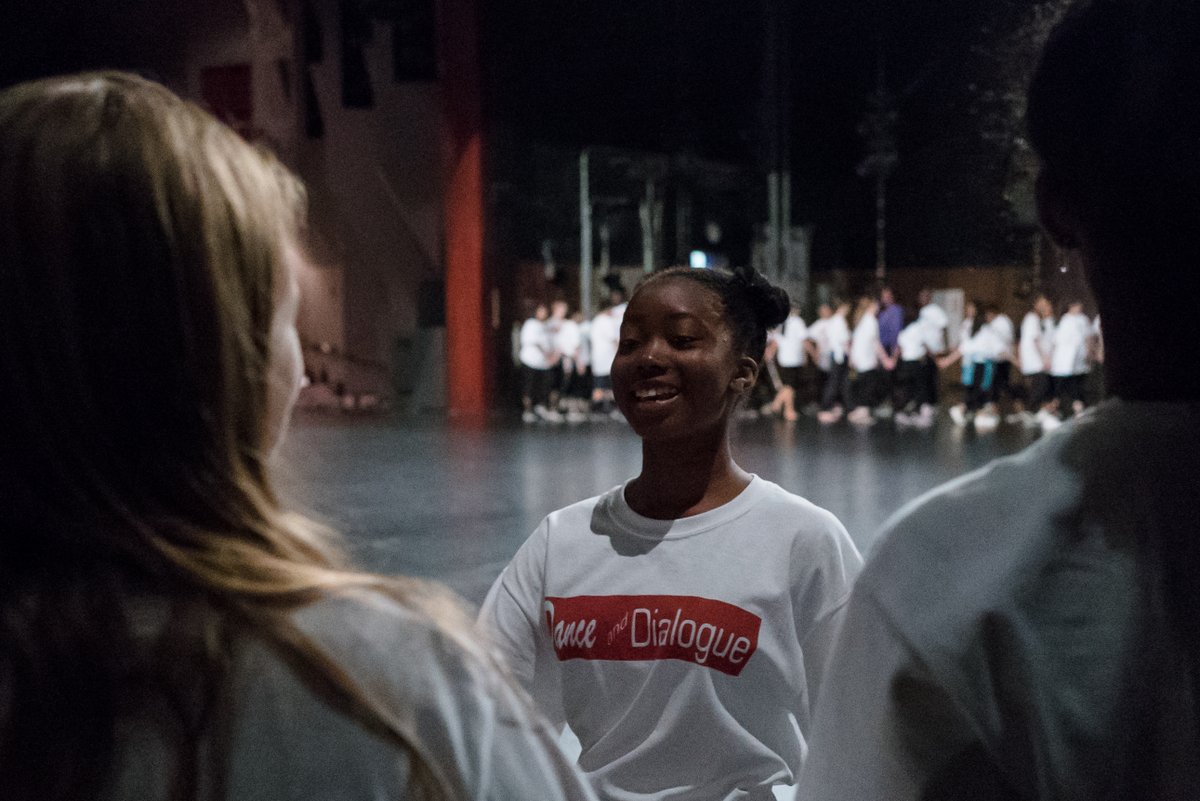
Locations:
167 630
867 357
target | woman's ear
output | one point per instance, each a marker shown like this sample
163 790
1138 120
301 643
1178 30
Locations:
1055 212
747 373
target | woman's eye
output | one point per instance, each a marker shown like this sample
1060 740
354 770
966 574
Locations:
682 341
626 345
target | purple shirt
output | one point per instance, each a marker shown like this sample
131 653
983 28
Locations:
891 320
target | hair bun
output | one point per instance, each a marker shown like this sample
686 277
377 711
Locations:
770 303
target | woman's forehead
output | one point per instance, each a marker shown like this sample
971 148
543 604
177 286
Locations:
676 297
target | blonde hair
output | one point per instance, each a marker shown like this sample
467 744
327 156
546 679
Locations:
141 244
860 309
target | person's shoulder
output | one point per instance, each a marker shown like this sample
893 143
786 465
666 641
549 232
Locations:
568 516
961 547
372 629
425 665
797 516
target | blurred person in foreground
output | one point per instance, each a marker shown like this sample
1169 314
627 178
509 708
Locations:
167 629
1032 630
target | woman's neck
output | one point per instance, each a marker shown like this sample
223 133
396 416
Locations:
686 477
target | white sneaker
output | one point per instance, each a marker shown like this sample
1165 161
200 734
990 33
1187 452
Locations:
528 417
986 421
861 416
1050 422
576 417
926 417
903 419
830 415
958 413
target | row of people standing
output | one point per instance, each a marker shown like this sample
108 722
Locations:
879 360
566 361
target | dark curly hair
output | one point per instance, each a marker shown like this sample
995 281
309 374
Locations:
752 304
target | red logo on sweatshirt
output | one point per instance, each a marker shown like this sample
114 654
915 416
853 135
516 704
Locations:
628 628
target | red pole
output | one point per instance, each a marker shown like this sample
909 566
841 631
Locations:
468 370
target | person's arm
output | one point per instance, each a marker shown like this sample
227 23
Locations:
423 673
771 349
512 619
950 358
885 358
885 730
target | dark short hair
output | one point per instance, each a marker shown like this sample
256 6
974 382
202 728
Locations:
752 304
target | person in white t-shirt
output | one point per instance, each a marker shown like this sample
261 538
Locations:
678 623
789 355
985 341
836 332
1069 359
538 358
1005 332
935 322
867 359
1036 345
816 343
913 407
567 341
1029 631
605 334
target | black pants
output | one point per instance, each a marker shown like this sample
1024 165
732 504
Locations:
1069 389
912 386
931 379
979 384
535 384
834 391
1039 390
864 388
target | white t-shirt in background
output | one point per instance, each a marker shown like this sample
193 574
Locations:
567 341
536 345
935 321
1070 345
606 334
864 344
837 333
789 338
818 332
912 342
1037 340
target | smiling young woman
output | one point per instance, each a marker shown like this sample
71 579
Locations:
679 622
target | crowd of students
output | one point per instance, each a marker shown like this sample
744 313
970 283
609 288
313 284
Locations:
566 361
170 630
865 361
884 361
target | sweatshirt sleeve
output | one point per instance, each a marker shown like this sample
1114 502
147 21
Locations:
828 566
512 619
470 724
884 728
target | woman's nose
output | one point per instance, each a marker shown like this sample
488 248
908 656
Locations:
651 355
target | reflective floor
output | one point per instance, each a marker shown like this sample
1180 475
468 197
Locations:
453 502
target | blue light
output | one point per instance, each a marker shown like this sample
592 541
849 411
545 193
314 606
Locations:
698 259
